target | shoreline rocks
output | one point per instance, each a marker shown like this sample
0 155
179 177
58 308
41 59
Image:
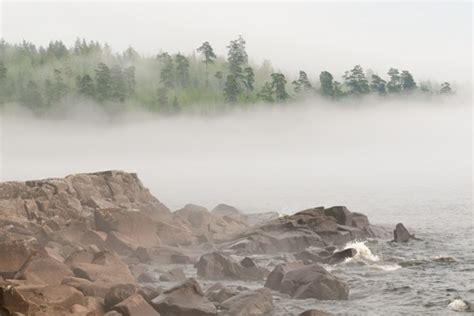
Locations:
91 243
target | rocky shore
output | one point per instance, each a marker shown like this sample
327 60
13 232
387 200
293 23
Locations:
101 244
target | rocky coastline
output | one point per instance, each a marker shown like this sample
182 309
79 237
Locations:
102 244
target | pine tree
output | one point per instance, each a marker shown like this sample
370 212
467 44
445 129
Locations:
231 89
249 79
209 56
407 81
302 85
279 87
394 85
182 70
266 93
103 82
326 80
378 85
356 81
86 86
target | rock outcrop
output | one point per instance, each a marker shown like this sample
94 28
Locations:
257 302
217 266
186 299
311 281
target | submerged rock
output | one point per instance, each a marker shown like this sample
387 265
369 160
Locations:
401 234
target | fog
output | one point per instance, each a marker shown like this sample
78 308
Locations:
431 39
278 158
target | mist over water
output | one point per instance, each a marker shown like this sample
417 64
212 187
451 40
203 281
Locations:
396 161
281 158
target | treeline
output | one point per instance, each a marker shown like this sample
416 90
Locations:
41 77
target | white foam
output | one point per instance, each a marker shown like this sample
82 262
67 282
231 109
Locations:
458 305
363 252
387 267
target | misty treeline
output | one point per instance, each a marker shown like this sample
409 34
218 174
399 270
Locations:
42 77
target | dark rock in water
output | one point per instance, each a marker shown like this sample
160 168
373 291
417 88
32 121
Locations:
342 255
218 293
135 305
118 293
313 281
274 278
257 302
174 275
401 234
186 299
314 312
248 263
342 215
147 277
217 266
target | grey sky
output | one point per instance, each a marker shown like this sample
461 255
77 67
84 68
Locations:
432 39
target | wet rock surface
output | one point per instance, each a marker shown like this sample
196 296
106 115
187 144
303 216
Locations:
101 244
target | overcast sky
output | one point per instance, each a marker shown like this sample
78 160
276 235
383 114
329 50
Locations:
432 39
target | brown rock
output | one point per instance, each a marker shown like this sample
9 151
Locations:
30 300
313 281
258 302
118 293
186 299
44 271
217 266
342 215
135 305
19 252
276 276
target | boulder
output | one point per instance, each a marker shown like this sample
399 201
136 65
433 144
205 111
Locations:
276 276
342 215
401 234
186 299
118 293
88 288
19 252
218 293
135 305
147 277
132 224
173 275
360 220
257 302
224 209
44 271
313 281
217 266
342 255
31 300
104 261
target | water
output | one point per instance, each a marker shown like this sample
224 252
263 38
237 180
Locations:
406 162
